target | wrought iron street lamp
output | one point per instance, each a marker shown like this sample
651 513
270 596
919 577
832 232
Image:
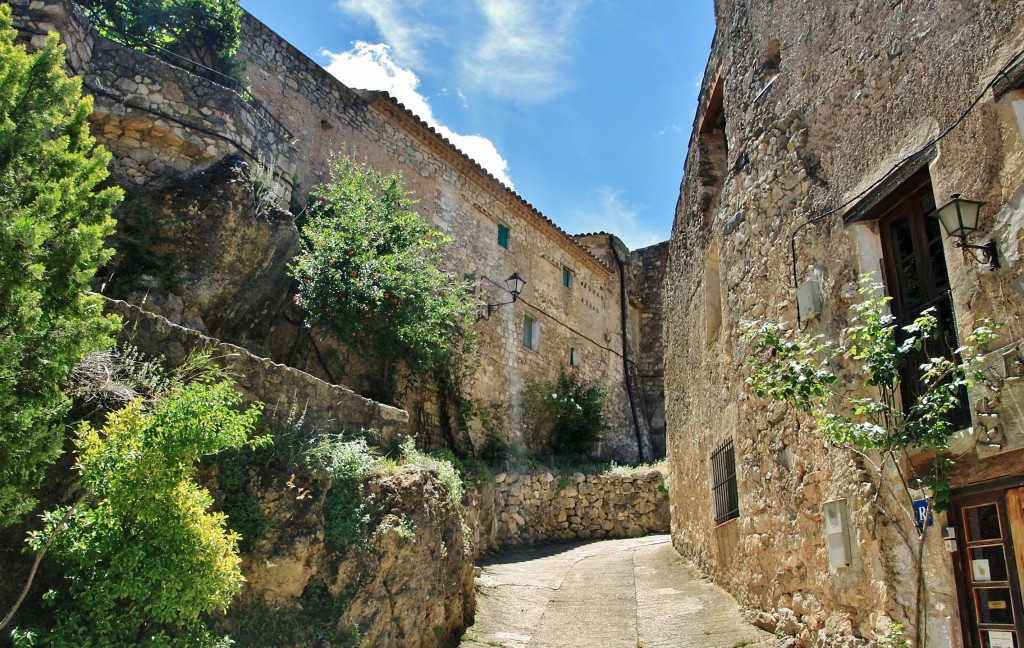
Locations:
514 285
959 217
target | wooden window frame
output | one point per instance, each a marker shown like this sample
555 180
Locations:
904 204
531 333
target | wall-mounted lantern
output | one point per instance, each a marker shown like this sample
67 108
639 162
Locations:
959 218
514 285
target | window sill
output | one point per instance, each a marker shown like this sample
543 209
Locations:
725 524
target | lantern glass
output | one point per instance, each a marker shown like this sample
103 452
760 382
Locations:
959 217
515 284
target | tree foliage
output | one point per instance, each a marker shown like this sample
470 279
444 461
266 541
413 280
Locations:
370 277
204 31
867 411
53 220
143 555
564 416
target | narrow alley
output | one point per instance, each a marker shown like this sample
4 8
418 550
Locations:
628 593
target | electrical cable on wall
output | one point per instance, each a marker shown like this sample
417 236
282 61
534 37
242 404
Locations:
935 140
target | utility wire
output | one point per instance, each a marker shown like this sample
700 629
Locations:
553 318
935 140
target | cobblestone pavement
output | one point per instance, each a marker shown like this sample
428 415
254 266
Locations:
635 593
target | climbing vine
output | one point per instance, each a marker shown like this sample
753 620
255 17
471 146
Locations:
865 409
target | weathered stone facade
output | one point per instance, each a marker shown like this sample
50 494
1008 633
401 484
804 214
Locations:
160 121
813 120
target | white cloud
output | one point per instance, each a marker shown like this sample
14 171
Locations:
371 67
398 23
513 49
524 47
609 212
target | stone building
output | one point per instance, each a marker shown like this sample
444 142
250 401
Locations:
164 123
825 137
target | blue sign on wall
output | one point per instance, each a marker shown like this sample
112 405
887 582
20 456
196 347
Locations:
922 513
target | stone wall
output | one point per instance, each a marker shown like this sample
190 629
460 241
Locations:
648 276
407 584
159 119
815 112
411 582
531 508
284 390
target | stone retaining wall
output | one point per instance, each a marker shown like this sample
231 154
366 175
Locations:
541 507
158 119
285 390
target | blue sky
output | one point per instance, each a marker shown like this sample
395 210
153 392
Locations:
584 107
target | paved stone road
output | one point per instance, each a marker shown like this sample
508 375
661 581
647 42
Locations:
635 593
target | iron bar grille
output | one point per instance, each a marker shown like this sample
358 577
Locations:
723 483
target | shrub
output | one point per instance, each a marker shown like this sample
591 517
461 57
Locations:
346 512
369 276
53 221
203 31
564 416
143 556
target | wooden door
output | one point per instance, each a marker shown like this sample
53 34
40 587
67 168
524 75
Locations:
988 526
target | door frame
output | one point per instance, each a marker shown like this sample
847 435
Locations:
1007 495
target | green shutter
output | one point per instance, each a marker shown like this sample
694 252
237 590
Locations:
503 236
566 277
527 331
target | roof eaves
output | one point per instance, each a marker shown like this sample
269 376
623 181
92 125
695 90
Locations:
372 96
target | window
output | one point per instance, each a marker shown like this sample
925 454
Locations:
712 147
566 277
916 279
531 333
574 357
503 235
723 483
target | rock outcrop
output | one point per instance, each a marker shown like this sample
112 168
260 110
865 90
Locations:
407 582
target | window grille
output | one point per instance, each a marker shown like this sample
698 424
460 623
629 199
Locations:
723 483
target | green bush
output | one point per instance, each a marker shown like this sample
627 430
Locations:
53 220
203 31
143 556
564 416
347 461
369 276
444 464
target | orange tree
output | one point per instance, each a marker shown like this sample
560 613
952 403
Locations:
370 277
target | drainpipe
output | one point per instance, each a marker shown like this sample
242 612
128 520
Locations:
623 308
